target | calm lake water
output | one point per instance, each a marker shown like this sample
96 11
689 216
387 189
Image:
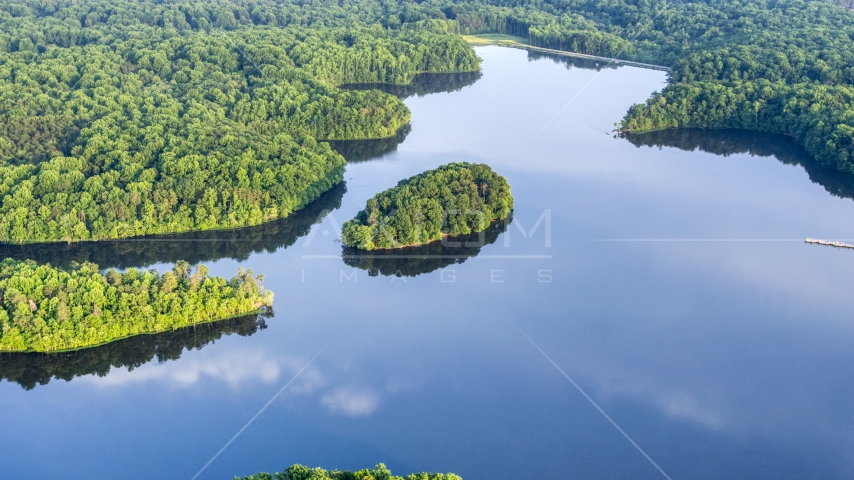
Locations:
668 278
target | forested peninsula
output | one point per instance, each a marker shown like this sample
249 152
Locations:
44 309
454 199
380 472
119 119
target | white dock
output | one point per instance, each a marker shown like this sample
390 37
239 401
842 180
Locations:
829 243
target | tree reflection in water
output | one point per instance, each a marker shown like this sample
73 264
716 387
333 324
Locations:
728 142
571 62
423 84
31 369
414 261
355 151
193 247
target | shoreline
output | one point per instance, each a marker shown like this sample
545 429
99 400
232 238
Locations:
170 236
418 245
630 63
425 72
510 41
77 349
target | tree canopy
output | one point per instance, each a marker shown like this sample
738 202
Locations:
192 247
380 472
116 123
46 309
454 199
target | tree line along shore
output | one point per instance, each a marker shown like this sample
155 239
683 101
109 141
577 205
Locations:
45 309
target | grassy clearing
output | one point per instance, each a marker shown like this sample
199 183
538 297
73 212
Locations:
495 39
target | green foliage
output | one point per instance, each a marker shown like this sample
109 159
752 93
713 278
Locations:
47 309
820 117
193 247
454 199
129 118
785 67
380 472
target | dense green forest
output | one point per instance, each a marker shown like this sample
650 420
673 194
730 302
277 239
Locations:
115 124
454 199
819 116
380 472
46 309
31 369
192 247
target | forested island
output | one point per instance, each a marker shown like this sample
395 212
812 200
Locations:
454 199
46 309
380 472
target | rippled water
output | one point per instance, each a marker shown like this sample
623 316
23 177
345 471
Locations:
667 277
